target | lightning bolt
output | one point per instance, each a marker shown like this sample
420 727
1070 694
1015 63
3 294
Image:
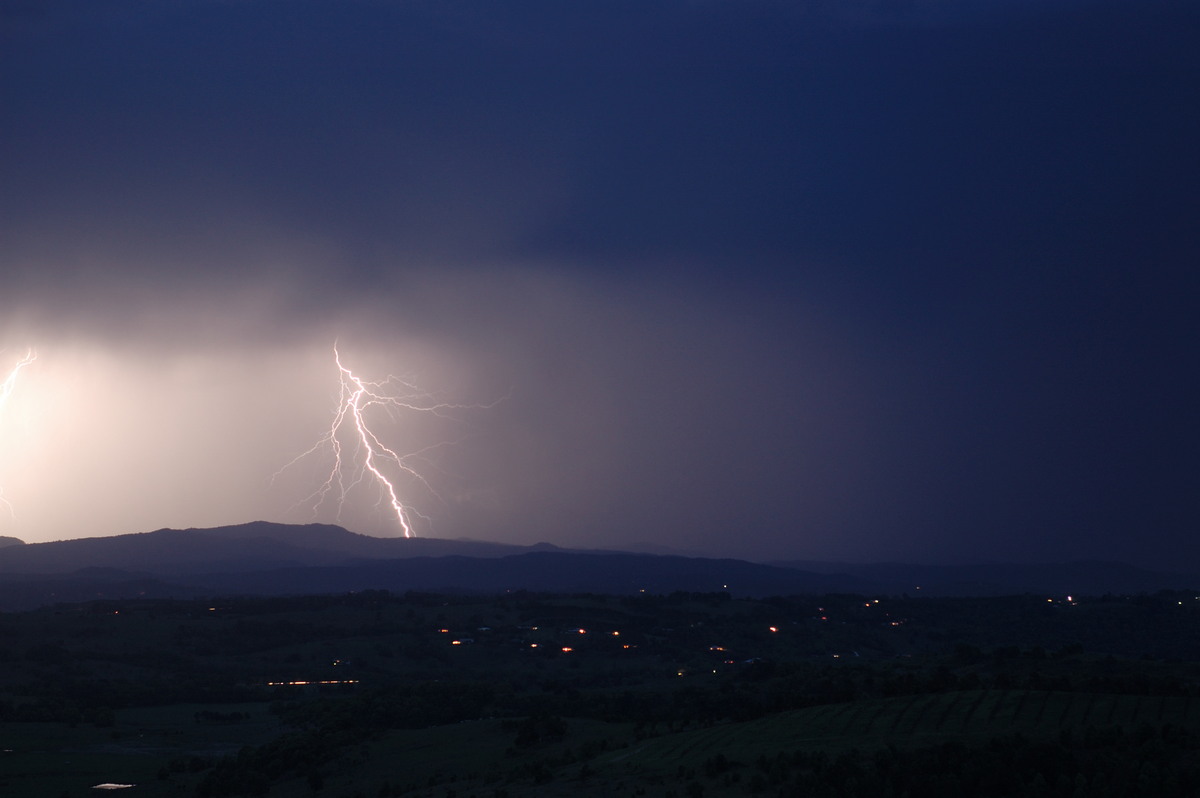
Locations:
358 455
10 382
6 389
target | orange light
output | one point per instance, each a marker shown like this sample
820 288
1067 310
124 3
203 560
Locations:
567 649
774 628
303 682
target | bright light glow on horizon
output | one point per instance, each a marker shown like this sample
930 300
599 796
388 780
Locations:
109 435
6 390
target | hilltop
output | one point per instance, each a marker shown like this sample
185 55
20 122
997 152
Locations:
264 558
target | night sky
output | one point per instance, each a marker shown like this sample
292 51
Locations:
842 279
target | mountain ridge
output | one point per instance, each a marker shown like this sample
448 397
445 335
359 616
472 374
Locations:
268 558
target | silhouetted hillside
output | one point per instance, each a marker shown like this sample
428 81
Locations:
1084 577
281 559
255 546
580 572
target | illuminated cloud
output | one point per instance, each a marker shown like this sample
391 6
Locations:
914 288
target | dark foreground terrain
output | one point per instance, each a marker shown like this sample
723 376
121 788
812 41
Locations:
688 694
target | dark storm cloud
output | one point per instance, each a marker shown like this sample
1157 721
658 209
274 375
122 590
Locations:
865 280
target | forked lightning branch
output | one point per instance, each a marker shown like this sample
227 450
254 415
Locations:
6 390
358 457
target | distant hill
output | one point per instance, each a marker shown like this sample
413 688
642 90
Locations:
255 546
1083 577
279 559
4 541
559 572
261 558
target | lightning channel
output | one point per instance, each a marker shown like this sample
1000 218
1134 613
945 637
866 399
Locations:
6 389
357 454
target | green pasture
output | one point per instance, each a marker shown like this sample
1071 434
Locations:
475 757
49 760
479 756
908 721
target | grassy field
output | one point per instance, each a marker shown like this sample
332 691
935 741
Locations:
903 722
48 760
912 721
477 758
